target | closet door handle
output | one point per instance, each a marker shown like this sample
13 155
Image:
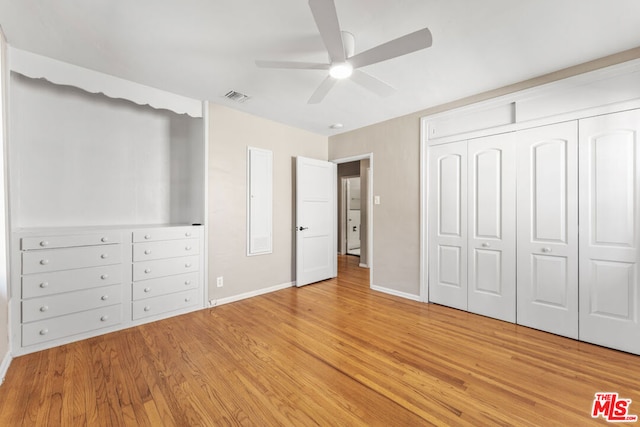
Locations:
303 228
546 250
485 245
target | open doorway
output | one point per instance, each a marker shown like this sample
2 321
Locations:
355 213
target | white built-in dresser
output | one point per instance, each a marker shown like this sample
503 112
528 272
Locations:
107 203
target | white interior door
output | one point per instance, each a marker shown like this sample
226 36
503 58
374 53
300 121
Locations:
492 227
316 221
353 216
448 225
547 236
609 235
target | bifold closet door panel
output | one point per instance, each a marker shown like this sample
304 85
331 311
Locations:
448 225
492 227
547 236
609 236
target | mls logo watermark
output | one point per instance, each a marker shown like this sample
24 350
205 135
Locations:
612 408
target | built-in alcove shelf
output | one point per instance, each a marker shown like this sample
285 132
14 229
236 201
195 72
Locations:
82 159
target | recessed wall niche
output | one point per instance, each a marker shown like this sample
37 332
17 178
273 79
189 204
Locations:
83 159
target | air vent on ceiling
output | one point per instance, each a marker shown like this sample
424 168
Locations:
236 96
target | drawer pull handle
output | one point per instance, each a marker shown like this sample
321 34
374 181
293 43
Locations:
147 290
147 236
104 297
188 248
147 270
104 276
187 234
104 318
187 299
104 239
147 251
44 243
546 250
147 308
104 256
44 284
44 261
187 282
44 308
44 331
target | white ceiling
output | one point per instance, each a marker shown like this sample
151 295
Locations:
204 48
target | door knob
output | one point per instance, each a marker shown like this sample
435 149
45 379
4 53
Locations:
485 245
303 228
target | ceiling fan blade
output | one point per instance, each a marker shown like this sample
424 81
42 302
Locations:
371 83
292 65
322 90
326 17
420 39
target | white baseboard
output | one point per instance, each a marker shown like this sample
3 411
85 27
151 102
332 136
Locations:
363 265
251 294
4 366
396 293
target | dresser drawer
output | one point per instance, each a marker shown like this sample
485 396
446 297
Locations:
164 285
44 242
167 233
38 285
164 267
165 249
70 258
72 302
165 303
72 324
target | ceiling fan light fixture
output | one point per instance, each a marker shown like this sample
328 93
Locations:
341 70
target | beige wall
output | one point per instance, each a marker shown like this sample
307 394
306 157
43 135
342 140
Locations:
396 177
230 133
396 239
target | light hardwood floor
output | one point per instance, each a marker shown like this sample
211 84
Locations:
332 353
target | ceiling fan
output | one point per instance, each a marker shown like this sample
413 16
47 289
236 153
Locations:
343 63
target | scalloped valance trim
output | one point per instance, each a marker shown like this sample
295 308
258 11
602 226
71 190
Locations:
61 73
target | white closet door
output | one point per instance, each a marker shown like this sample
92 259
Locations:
609 236
448 225
492 227
547 239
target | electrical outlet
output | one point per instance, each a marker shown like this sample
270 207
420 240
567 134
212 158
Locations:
220 281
